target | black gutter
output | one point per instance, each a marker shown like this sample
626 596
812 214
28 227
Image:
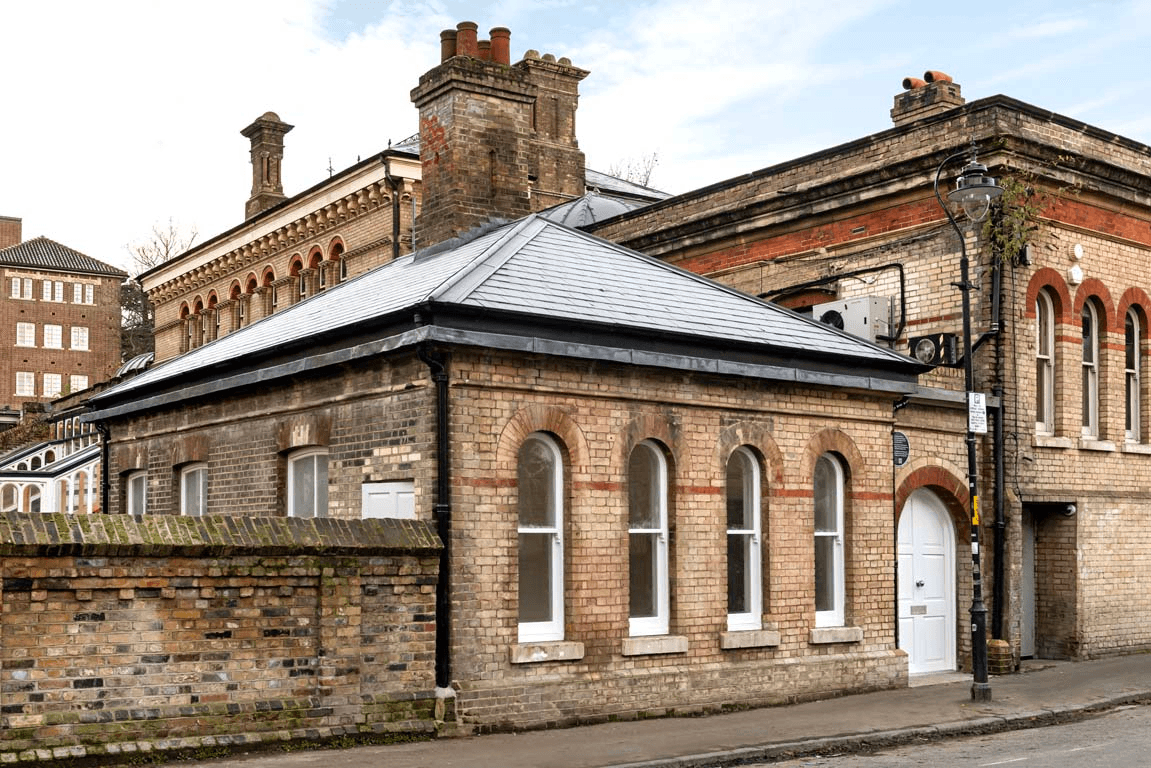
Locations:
437 362
998 449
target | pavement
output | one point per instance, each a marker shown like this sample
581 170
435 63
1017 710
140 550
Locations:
934 707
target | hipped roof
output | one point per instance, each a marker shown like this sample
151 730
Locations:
536 286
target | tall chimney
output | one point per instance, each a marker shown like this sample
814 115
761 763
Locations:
267 137
497 141
934 94
10 231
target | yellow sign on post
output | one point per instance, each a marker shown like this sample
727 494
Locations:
975 510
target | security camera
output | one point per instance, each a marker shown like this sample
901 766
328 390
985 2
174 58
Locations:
1069 510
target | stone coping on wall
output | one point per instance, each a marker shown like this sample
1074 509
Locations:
164 535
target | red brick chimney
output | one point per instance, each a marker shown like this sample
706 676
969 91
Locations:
934 94
10 231
497 141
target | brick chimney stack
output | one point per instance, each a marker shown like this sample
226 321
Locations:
934 94
267 137
497 141
10 231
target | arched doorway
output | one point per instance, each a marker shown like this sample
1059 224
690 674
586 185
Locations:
927 584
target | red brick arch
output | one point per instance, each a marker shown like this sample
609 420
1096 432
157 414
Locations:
1132 298
1057 286
948 486
1093 289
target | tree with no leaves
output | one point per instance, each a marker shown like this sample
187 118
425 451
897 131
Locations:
165 242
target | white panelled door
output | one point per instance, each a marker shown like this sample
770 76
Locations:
927 584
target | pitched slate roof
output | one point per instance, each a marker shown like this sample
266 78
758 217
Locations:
42 253
536 285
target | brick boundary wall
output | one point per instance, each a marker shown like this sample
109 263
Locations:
122 635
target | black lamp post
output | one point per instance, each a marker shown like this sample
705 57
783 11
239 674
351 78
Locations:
975 191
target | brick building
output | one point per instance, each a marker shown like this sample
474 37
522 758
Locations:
512 151
1060 299
655 492
60 318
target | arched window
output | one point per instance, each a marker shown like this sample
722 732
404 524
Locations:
649 603
1044 364
539 474
1133 360
829 573
8 498
744 566
1090 318
308 483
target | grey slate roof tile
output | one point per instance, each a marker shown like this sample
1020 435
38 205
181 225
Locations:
42 253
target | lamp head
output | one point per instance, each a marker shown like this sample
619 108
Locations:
975 191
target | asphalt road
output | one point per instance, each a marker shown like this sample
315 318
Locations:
1119 738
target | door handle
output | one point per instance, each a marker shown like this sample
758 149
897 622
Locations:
919 583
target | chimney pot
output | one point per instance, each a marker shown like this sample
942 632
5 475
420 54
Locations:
447 44
467 43
910 83
501 45
485 50
933 76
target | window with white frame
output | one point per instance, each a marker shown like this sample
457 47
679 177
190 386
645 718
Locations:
25 334
1044 364
308 483
53 336
1090 370
194 490
136 491
52 384
77 382
1133 358
649 603
77 293
58 292
89 294
79 337
25 384
744 560
829 574
539 475
46 292
15 288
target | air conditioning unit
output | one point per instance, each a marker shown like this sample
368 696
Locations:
868 317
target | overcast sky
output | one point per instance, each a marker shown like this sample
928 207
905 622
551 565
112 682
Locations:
116 116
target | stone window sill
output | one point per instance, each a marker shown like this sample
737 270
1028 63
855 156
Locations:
1051 441
1142 448
654 644
551 650
748 638
827 635
1091 444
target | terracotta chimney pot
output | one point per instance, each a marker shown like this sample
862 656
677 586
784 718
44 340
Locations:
467 43
501 45
912 82
447 44
485 49
932 76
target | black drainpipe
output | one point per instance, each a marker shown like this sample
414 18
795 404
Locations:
105 466
999 449
437 362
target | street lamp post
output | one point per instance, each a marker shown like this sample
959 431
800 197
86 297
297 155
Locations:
975 191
